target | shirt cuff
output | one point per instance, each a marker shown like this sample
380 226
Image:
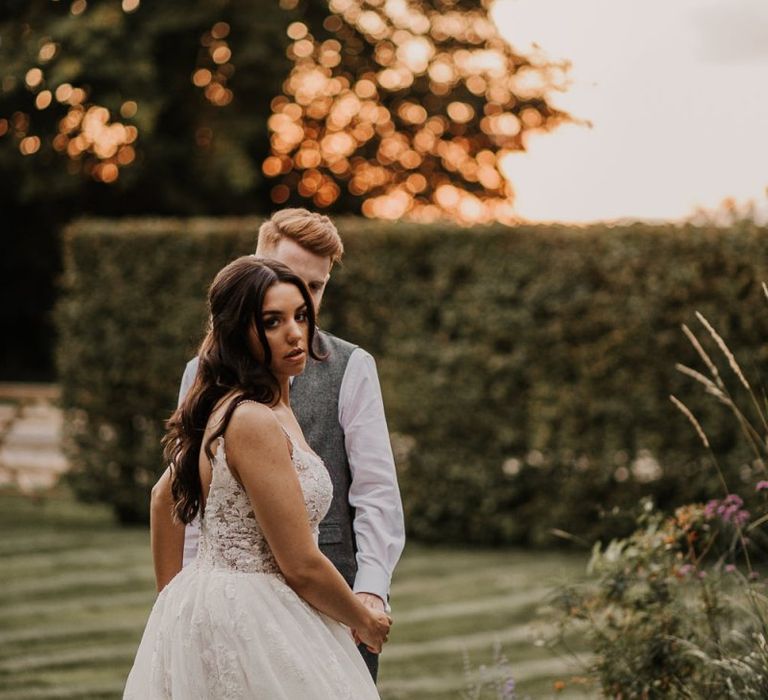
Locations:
372 580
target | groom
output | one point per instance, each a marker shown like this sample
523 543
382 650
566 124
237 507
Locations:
339 407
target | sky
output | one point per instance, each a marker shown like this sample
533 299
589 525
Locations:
677 95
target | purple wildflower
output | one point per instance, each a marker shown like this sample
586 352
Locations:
508 691
729 509
711 508
685 570
730 568
761 485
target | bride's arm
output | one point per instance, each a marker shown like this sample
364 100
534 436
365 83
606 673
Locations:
257 452
166 532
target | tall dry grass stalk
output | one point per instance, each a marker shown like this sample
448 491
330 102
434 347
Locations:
754 439
703 355
691 419
709 385
725 350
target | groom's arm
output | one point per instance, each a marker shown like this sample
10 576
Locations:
374 493
167 534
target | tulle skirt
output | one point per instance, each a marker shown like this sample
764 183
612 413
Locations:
217 634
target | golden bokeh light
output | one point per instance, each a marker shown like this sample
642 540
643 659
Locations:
272 166
297 30
34 77
20 122
221 53
531 118
218 95
280 194
88 135
29 145
416 127
220 30
3 127
77 97
126 155
60 142
460 112
202 77
128 109
43 99
47 51
302 48
105 172
130 5
78 7
63 92
365 88
416 53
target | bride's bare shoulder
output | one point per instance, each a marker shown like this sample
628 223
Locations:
253 421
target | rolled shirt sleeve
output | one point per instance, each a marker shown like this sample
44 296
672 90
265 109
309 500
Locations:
373 493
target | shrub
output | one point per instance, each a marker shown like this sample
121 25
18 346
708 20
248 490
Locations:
676 610
525 371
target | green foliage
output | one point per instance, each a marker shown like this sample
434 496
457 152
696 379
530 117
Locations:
191 156
676 610
194 148
525 371
129 320
189 150
201 143
664 618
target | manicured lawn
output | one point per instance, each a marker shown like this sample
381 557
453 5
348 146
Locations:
75 592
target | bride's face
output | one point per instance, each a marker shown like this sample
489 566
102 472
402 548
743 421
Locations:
287 329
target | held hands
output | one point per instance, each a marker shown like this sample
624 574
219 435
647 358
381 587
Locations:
374 631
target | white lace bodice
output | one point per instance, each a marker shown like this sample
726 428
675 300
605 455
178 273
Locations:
230 536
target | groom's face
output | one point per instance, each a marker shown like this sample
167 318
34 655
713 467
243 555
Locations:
314 269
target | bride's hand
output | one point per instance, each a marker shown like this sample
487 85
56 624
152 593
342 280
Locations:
375 631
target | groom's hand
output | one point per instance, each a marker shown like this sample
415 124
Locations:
370 600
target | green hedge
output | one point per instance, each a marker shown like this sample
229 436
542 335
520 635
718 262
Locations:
525 371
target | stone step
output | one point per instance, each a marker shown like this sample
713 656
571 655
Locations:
26 392
29 481
34 425
8 412
33 446
32 434
34 460
44 412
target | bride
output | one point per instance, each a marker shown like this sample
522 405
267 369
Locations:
261 613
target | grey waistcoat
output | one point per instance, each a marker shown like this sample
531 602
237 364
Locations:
315 403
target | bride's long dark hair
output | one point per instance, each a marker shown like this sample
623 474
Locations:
226 366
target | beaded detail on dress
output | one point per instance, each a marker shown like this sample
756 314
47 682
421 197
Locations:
230 535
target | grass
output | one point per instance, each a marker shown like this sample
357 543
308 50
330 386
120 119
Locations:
76 590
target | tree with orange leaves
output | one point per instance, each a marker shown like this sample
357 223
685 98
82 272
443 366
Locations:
406 109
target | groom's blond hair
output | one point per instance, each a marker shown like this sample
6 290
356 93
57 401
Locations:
315 232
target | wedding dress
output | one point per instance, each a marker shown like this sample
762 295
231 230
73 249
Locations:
228 626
